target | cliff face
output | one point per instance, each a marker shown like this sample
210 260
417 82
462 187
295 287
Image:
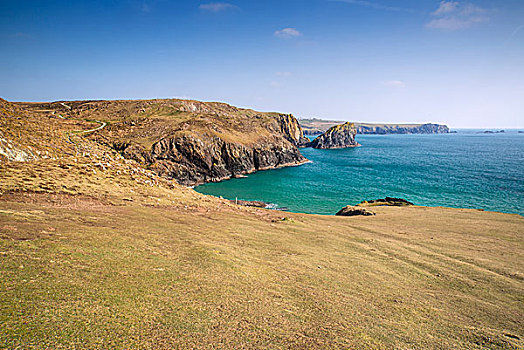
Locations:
428 128
290 128
338 136
194 160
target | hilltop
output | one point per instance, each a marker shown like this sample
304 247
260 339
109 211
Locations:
100 249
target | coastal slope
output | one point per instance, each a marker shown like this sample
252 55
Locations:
99 251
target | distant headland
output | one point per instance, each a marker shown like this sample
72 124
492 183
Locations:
316 126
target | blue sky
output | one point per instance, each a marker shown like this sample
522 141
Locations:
454 62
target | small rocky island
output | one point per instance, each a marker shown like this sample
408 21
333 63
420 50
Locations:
338 136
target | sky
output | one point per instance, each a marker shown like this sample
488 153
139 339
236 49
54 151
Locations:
460 63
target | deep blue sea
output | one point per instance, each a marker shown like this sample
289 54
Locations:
465 170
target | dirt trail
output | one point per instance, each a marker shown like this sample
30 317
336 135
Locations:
84 132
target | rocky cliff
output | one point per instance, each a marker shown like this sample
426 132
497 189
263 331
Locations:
382 129
192 159
290 128
318 126
338 136
190 141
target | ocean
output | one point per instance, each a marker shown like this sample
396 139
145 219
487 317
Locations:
466 169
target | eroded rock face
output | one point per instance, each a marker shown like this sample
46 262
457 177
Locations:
193 160
350 210
292 131
338 136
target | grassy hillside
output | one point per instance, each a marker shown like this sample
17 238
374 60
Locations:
97 252
145 121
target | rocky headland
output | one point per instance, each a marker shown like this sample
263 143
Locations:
338 136
318 126
190 141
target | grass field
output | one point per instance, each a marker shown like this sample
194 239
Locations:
80 273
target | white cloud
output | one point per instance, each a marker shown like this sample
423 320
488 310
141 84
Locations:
287 33
216 6
275 84
394 83
453 15
283 74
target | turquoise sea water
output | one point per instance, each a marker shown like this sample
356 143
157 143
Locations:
466 170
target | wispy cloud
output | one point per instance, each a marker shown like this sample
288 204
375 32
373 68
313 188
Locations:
394 83
216 6
283 74
287 33
454 15
377 6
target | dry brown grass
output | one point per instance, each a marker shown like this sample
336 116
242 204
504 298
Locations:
168 268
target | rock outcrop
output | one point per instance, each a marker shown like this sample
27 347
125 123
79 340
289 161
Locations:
388 201
290 128
350 210
338 136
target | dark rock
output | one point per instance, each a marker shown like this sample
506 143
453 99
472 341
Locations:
338 136
350 210
388 201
